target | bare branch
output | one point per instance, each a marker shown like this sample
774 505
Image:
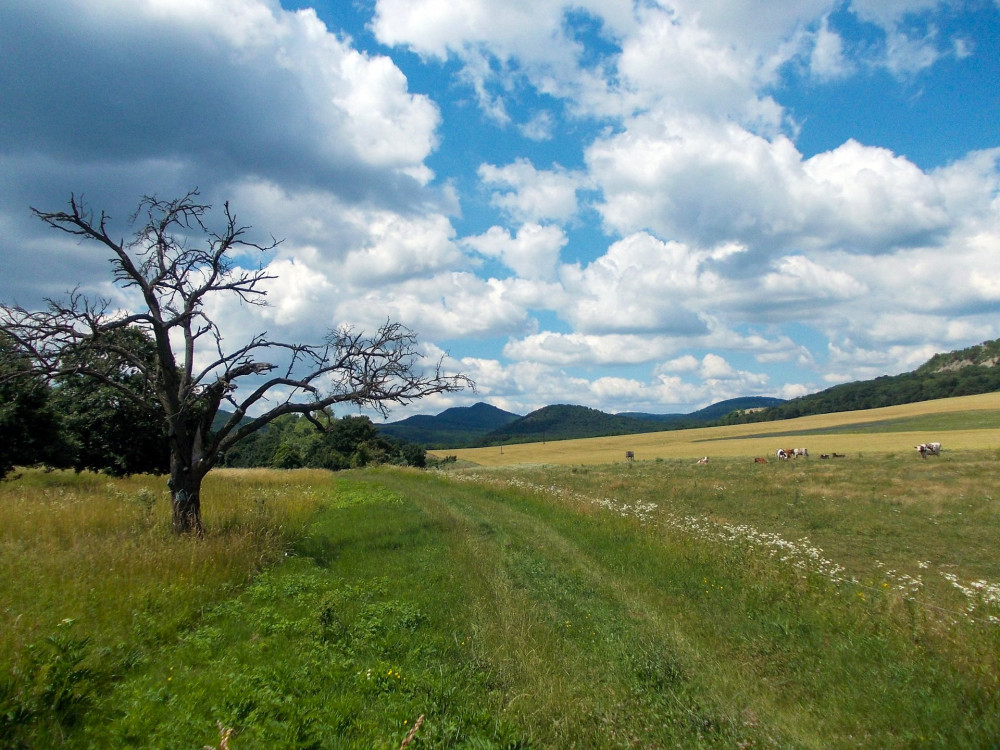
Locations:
368 372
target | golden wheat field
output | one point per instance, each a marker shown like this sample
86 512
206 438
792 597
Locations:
844 432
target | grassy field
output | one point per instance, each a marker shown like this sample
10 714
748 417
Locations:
813 604
968 422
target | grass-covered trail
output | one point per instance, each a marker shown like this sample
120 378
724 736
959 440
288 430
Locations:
493 617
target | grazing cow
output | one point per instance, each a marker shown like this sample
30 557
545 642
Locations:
781 454
800 452
703 460
760 460
839 455
928 449
630 455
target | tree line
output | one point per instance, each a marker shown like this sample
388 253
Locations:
350 442
74 423
887 390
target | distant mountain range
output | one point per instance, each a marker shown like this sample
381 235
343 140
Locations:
958 373
457 427
482 424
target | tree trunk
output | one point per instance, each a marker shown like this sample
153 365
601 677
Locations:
185 498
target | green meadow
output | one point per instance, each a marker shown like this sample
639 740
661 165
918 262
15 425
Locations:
658 603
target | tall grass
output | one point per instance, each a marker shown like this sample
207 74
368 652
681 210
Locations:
92 577
913 526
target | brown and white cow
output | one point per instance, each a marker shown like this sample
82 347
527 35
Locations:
928 449
781 454
703 460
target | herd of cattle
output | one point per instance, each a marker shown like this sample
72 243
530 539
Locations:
784 454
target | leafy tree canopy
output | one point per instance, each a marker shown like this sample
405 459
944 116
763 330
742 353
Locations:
106 430
29 429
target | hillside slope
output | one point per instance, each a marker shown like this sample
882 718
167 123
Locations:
986 354
564 421
960 373
460 425
709 413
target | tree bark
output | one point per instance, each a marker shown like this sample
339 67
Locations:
185 498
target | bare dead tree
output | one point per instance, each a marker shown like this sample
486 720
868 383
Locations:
176 263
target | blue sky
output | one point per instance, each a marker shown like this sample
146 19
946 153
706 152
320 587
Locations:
629 205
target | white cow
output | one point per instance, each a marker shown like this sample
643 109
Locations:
800 452
781 454
928 449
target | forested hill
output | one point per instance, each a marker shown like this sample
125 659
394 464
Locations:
566 422
959 373
986 354
458 426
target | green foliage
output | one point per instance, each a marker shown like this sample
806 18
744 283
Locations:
108 431
351 442
28 422
986 353
92 581
55 684
286 457
414 455
79 422
565 422
458 426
